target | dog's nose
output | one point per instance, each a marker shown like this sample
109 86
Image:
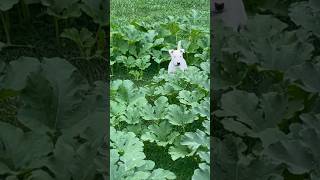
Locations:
219 6
178 64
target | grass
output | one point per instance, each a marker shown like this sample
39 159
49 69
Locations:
155 10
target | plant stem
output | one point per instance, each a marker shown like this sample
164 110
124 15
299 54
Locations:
101 40
82 54
141 72
18 46
25 9
111 70
56 25
91 57
6 25
98 31
20 14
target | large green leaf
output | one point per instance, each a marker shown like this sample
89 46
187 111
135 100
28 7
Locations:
299 149
91 125
40 175
163 134
128 160
189 97
195 140
72 159
232 105
250 119
306 15
231 162
5 5
264 26
124 91
97 10
272 49
205 156
117 112
16 73
202 108
282 52
202 173
14 145
297 157
179 116
276 6
162 174
308 74
178 150
52 101
83 38
63 9
315 4
156 112
128 145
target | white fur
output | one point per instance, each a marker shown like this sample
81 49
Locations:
177 61
233 15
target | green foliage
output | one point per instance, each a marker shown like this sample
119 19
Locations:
5 5
62 9
55 126
64 12
63 118
171 110
82 38
139 46
128 160
97 10
267 95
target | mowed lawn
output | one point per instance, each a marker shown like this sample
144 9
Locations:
156 10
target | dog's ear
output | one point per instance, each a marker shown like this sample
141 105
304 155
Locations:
170 51
182 50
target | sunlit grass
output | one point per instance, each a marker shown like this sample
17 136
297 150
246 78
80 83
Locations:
156 10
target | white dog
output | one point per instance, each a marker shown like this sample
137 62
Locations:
232 12
177 60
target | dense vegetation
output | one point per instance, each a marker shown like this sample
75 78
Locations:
159 122
53 92
53 89
266 88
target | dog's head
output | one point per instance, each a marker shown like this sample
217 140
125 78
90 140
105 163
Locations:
218 6
177 56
